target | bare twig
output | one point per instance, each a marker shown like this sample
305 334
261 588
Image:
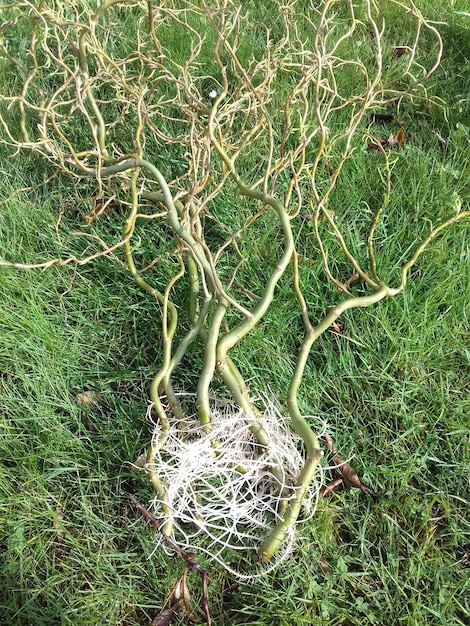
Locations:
191 564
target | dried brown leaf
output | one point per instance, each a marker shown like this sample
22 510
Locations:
165 617
141 460
350 476
346 471
337 327
324 566
331 486
375 145
101 206
398 139
328 442
392 141
57 524
354 279
87 398
383 118
329 166
182 592
399 51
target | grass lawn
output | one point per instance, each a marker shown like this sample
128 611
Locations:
394 385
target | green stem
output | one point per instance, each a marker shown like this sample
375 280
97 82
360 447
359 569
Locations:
313 452
192 334
154 395
237 333
193 288
421 248
105 6
208 370
225 366
282 530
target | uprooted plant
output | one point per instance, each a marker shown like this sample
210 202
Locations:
208 128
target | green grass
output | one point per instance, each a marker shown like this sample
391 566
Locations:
394 387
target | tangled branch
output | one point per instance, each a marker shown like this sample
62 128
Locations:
200 143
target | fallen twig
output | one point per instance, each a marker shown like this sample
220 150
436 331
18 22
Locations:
180 592
348 475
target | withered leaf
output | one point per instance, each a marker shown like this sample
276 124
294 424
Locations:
379 145
331 486
324 566
181 592
337 327
383 118
329 166
393 140
374 145
354 279
399 51
328 440
87 398
398 139
141 460
100 206
165 617
350 476
327 212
